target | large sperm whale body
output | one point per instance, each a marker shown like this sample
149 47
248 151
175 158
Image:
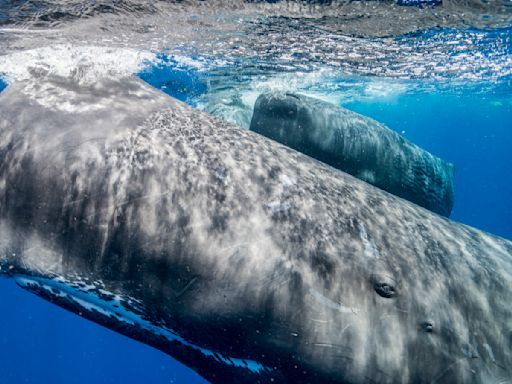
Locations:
241 258
358 145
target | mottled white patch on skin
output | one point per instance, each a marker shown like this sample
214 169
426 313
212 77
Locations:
287 180
39 257
370 249
278 206
36 254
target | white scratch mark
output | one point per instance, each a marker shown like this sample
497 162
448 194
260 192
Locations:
332 304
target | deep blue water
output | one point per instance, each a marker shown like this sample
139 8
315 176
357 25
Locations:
182 82
41 343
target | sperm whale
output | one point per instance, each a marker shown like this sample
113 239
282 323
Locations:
243 259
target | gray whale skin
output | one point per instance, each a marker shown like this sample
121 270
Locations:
358 145
243 259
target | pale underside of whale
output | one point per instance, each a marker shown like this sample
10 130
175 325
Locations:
241 258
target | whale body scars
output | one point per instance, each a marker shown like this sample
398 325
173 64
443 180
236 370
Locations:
357 145
246 260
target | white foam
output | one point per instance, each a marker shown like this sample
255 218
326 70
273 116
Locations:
235 103
85 64
384 89
187 62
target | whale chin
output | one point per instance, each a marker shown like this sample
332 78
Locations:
128 316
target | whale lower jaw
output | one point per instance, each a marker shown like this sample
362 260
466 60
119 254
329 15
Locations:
127 316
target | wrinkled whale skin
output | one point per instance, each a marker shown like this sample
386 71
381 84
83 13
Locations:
246 260
358 145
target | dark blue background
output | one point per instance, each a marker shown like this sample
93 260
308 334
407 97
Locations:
41 343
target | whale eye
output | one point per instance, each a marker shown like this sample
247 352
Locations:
384 290
384 286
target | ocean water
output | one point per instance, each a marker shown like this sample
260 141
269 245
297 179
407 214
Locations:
447 88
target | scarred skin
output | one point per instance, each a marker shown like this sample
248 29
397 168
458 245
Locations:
240 246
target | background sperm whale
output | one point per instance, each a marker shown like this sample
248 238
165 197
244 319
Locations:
243 259
357 145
